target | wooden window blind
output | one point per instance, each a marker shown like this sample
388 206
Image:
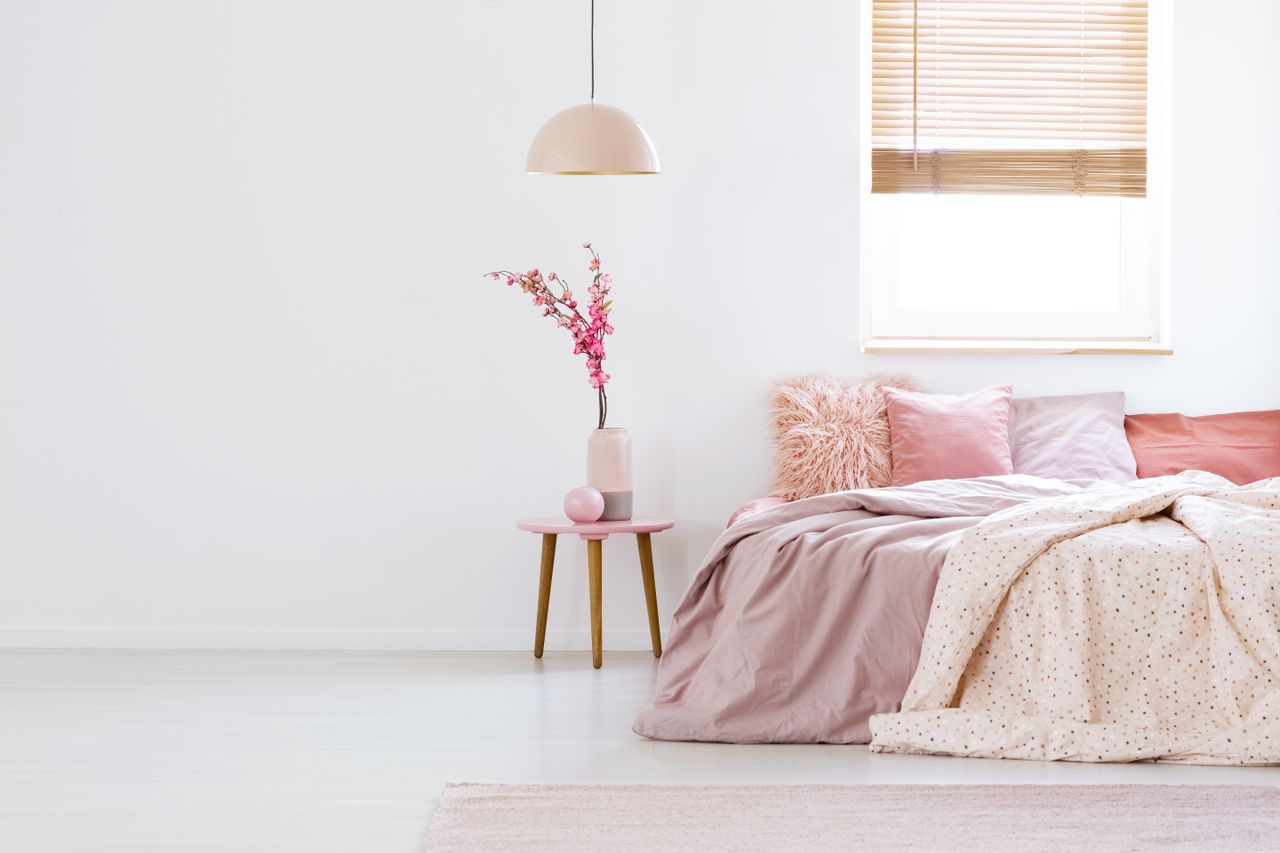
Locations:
1009 96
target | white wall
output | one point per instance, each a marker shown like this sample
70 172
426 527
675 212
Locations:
255 391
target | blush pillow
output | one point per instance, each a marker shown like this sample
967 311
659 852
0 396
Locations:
831 435
1079 438
758 505
947 437
1243 447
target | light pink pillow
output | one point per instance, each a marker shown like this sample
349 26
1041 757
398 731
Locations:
758 505
1079 438
949 437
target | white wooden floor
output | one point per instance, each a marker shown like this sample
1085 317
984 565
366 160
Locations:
197 751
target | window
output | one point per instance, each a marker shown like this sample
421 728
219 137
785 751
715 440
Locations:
1013 176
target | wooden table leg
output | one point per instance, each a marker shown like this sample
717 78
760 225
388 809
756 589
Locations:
645 546
594 568
544 591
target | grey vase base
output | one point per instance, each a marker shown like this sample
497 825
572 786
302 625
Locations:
617 506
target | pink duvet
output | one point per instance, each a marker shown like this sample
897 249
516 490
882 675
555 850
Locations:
807 619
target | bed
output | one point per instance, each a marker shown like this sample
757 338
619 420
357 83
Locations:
1006 615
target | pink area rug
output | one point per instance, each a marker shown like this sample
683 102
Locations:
912 818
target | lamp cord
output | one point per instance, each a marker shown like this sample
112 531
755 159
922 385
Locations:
593 51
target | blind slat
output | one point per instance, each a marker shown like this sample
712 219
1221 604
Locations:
1113 172
1052 94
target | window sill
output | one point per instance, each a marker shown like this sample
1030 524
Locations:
935 346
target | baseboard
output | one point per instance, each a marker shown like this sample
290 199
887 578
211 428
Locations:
308 638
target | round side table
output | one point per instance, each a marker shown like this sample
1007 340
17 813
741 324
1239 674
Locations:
595 533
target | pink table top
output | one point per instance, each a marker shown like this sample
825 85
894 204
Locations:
596 529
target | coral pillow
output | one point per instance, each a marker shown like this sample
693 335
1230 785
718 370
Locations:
1079 438
1243 447
949 437
831 435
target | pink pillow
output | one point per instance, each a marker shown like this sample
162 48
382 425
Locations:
831 435
758 505
949 437
1079 438
1244 447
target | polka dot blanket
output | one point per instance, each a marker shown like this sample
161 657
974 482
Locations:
1123 623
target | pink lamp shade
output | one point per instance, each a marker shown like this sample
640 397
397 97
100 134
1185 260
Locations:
592 139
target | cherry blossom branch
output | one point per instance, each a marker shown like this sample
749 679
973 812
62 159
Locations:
588 332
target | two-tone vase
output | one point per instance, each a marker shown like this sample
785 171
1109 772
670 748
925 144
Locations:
609 471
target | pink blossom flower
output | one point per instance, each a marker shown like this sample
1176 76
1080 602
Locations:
588 332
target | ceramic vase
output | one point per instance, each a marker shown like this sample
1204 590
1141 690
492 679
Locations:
609 471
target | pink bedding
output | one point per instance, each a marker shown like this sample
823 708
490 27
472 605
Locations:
807 618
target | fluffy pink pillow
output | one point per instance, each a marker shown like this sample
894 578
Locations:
949 437
831 435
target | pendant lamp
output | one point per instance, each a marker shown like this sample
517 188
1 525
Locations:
591 138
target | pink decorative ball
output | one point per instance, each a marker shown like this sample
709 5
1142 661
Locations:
584 505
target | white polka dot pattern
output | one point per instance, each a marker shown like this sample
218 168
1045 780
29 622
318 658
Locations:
1124 623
